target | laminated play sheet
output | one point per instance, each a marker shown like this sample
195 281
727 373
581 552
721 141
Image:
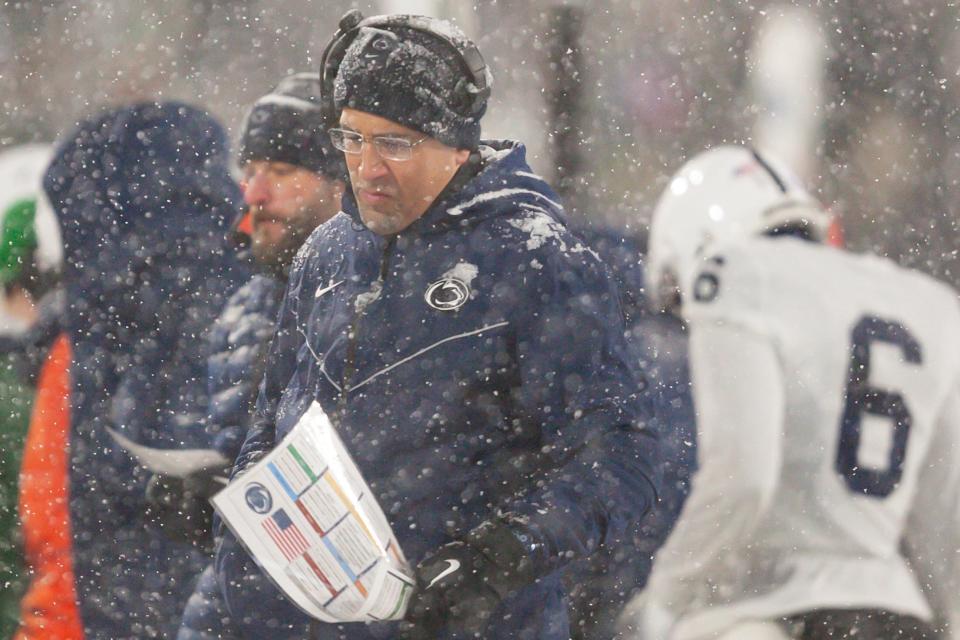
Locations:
307 516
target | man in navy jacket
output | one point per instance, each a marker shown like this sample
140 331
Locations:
291 184
469 349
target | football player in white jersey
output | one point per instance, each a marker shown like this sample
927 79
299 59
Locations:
827 388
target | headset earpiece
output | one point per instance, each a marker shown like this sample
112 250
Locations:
479 88
330 62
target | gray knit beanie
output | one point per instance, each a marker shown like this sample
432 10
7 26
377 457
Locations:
286 125
412 78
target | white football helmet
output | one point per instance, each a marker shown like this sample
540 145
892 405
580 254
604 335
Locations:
723 194
21 176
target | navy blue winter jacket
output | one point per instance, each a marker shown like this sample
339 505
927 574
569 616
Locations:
474 364
603 590
144 196
605 582
238 345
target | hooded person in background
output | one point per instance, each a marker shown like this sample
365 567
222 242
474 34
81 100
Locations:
291 185
469 349
144 198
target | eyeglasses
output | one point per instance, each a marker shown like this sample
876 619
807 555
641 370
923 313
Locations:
388 147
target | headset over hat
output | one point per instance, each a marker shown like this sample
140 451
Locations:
418 71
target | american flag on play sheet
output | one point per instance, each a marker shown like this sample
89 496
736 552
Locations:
285 534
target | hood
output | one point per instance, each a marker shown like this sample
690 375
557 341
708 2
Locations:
144 198
503 184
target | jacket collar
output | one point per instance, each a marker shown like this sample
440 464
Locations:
501 184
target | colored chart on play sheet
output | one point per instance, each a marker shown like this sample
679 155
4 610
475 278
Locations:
307 516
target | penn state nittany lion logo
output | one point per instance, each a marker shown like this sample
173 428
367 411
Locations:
447 294
258 498
260 115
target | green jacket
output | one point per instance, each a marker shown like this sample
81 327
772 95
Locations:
15 402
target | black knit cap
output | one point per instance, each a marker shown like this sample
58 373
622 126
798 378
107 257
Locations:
286 125
413 78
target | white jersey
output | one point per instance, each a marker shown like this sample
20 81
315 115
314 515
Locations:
827 387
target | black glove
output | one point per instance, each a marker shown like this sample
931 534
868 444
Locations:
460 586
181 506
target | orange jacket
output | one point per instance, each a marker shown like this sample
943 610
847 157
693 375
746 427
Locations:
49 608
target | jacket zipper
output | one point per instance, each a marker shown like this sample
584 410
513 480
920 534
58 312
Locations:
349 370
349 366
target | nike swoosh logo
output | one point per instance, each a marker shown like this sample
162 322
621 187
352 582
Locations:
452 565
327 288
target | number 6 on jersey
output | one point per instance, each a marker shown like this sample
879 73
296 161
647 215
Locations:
862 398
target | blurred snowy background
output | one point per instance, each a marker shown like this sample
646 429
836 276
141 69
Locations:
861 97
